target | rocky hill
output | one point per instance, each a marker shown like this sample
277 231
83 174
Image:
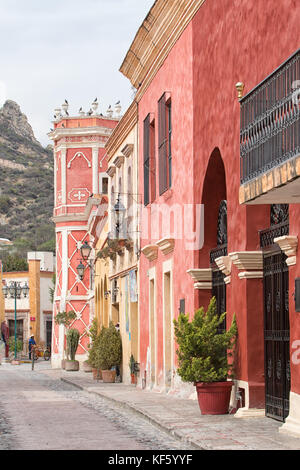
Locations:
26 184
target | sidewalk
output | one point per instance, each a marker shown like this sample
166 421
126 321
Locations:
181 417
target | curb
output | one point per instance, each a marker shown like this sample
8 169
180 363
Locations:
139 412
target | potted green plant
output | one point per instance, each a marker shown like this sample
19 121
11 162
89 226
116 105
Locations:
92 350
73 336
206 357
110 352
132 367
11 346
65 318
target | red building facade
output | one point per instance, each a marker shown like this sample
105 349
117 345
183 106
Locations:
80 172
185 69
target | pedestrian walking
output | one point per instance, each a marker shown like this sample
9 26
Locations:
5 336
31 343
117 327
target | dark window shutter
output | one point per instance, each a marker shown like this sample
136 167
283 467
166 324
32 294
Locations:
146 158
152 161
169 119
162 145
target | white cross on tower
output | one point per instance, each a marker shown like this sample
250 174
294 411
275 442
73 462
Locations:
80 195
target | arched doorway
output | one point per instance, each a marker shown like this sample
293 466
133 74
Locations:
218 283
276 315
214 199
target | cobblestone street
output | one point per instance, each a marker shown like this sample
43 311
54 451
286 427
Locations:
42 413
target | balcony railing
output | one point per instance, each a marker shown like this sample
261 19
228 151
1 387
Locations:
270 119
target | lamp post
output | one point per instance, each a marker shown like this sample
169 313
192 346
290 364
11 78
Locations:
85 252
119 211
14 291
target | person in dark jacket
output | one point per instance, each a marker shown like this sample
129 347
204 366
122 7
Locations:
30 344
5 336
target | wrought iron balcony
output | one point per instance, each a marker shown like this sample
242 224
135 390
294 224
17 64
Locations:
270 120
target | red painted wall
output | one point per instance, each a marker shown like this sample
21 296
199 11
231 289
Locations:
237 41
227 41
180 85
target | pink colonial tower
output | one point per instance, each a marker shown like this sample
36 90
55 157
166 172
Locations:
79 172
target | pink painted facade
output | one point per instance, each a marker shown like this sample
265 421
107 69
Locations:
224 43
79 166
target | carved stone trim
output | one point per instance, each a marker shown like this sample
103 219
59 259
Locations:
202 277
150 251
203 285
247 260
251 275
288 244
224 263
127 150
166 245
111 171
119 161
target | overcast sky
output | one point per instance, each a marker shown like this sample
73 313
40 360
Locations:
56 49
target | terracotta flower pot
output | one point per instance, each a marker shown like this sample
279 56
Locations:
71 365
133 379
97 373
214 397
109 376
86 367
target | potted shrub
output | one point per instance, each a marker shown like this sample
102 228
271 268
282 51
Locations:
65 318
205 355
73 336
132 367
109 353
93 348
11 346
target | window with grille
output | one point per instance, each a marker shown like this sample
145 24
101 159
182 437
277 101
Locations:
149 160
164 143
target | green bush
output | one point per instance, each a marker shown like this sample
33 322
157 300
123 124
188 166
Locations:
110 348
11 344
65 318
203 351
73 336
94 344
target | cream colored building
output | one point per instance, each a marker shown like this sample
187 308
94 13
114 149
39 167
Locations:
124 245
34 313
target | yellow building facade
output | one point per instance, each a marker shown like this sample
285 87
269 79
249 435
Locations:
123 236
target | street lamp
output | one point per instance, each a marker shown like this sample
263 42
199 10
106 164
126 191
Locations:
15 291
80 270
85 251
119 211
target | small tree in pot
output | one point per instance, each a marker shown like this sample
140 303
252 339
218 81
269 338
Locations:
73 336
205 356
110 352
92 332
65 318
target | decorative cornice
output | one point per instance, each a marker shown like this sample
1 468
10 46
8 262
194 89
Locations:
224 264
202 277
160 30
251 275
119 161
124 127
60 132
111 170
288 244
166 245
127 150
150 251
249 262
